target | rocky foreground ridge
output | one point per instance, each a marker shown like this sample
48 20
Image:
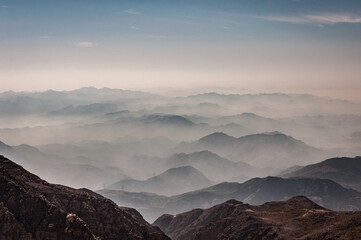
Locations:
31 208
297 218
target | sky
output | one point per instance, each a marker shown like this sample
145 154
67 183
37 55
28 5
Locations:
311 46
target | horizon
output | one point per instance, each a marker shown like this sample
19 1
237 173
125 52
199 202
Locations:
281 46
174 92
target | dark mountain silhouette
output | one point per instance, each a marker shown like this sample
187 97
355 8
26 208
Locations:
31 208
296 218
262 150
345 171
233 128
167 120
173 181
255 191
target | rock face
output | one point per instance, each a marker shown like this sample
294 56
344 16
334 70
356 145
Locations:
297 218
31 208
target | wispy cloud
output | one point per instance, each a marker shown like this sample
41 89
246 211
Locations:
82 44
134 28
318 19
132 12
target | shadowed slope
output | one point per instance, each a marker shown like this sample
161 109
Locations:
34 209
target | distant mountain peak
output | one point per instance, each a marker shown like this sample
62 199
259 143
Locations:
166 119
217 137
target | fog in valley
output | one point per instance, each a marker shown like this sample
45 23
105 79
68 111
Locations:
142 143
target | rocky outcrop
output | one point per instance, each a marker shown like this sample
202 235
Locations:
297 218
31 208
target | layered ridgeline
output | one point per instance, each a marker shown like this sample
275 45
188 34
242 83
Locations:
171 182
343 170
261 150
325 192
214 167
75 172
31 208
296 218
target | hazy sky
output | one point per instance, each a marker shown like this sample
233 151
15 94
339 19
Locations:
286 45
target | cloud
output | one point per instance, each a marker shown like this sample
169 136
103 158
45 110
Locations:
82 44
224 27
133 12
134 28
319 19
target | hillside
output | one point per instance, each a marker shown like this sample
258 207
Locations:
345 171
296 218
31 208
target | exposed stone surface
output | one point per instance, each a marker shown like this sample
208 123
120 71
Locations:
297 218
31 208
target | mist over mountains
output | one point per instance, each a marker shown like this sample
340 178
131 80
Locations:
168 155
325 192
140 135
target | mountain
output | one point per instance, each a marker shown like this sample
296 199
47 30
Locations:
253 121
173 181
345 171
25 103
31 208
262 150
213 166
95 108
296 218
167 120
72 172
6 149
255 191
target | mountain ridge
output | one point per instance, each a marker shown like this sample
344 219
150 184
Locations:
296 218
49 211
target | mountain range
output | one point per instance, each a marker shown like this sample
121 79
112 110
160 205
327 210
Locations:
257 191
173 181
261 150
214 167
75 172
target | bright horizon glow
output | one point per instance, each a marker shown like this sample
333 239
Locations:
302 47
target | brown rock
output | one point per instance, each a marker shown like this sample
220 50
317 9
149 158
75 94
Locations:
31 208
297 218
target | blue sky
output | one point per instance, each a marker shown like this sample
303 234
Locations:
285 45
